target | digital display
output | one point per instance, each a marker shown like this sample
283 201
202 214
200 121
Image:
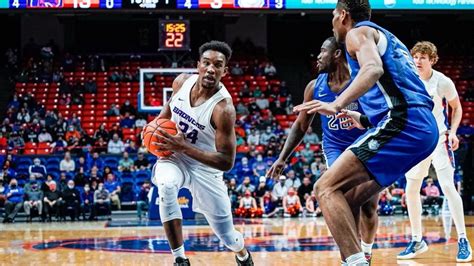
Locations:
233 4
174 35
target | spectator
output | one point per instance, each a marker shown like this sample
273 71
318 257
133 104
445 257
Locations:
115 130
95 161
232 191
87 202
90 86
30 183
311 137
94 175
259 166
101 200
33 200
44 136
292 180
67 164
52 202
127 121
279 190
3 141
385 207
14 201
304 191
312 206
244 168
277 109
248 206
254 137
269 70
142 199
241 109
59 145
128 108
100 146
45 184
268 205
62 182
77 98
291 203
141 163
262 102
261 188
131 146
14 103
114 189
140 122
246 185
469 95
432 194
16 142
115 145
72 134
125 164
115 76
266 136
23 116
72 200
80 179
101 132
37 169
113 111
237 70
81 163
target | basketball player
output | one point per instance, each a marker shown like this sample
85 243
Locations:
386 82
332 80
441 89
204 148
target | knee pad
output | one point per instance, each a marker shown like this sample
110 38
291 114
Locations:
233 240
169 207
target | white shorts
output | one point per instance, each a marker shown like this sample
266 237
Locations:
209 191
442 159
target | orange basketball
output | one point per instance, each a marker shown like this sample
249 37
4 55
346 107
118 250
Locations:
148 136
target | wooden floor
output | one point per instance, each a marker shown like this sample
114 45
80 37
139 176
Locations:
285 241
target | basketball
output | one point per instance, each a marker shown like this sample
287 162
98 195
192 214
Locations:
149 137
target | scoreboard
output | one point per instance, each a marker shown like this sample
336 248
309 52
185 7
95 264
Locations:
232 4
174 35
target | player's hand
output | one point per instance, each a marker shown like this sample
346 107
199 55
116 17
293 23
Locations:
316 106
454 141
168 142
352 119
276 169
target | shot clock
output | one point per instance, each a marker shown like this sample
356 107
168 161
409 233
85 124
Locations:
174 35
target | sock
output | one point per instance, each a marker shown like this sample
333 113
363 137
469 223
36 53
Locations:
356 258
416 238
244 258
366 248
179 252
462 235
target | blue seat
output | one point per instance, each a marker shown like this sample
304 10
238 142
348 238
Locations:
111 162
53 161
142 175
152 159
24 161
52 168
127 192
69 175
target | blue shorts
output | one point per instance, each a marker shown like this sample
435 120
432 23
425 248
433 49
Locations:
331 155
401 140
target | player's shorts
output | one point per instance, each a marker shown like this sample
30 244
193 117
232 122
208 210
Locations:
442 158
209 191
401 140
331 155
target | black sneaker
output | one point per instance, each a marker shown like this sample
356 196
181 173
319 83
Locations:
247 262
181 262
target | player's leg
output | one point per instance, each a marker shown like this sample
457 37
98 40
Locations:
212 200
169 178
347 173
443 161
415 178
369 220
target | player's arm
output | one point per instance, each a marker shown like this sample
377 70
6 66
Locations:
177 84
297 132
361 43
451 95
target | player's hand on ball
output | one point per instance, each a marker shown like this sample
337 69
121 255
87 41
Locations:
168 142
316 106
352 119
276 169
454 141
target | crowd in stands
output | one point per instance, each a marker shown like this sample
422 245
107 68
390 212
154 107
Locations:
100 172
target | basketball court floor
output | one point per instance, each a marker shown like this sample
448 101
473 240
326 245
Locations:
280 241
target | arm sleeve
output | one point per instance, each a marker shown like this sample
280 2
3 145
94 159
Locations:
364 120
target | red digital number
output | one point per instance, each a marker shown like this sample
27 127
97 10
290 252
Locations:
174 40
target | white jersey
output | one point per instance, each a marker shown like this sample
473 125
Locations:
440 88
247 203
292 200
195 123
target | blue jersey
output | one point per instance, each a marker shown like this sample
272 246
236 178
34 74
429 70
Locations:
399 88
335 135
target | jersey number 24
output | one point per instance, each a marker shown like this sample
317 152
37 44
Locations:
191 135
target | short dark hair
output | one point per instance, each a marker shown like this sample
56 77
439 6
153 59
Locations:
359 9
218 46
334 44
